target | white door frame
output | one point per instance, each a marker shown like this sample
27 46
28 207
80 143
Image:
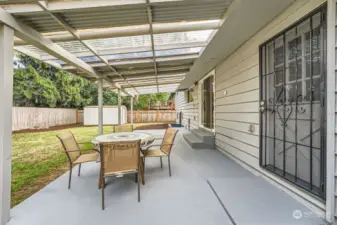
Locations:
330 119
200 93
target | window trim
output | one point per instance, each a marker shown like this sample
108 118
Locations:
200 84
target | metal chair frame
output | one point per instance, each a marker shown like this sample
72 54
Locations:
168 154
136 172
71 163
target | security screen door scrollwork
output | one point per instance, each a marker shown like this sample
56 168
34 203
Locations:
292 103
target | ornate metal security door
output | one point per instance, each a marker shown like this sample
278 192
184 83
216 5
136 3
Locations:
292 103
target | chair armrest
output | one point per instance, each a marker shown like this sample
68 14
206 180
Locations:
84 143
147 148
96 150
74 151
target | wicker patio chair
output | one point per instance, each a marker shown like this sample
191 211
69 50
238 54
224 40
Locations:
165 148
120 158
124 128
74 153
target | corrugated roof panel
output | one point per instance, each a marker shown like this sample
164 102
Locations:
182 37
73 46
41 22
121 42
106 17
181 51
189 11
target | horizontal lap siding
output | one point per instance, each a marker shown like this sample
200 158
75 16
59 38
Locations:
189 110
335 200
237 89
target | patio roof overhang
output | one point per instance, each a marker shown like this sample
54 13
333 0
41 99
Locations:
137 46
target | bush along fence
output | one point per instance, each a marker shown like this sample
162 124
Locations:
152 116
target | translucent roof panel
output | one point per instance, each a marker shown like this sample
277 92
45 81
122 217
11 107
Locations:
121 42
143 90
34 49
182 37
73 46
129 56
90 59
178 51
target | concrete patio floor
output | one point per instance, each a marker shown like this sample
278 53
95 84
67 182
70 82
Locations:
206 188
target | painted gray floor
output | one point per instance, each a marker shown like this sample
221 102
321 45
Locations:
190 197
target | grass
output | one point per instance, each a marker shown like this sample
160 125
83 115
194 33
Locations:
38 159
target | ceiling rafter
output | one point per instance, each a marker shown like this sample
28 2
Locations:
149 16
113 32
73 32
66 6
143 61
154 84
133 50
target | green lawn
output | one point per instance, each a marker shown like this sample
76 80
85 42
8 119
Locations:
38 158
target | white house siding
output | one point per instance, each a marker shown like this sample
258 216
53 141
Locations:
334 64
237 93
189 110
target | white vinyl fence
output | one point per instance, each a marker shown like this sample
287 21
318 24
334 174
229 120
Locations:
39 118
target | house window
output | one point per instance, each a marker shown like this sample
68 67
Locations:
292 106
189 95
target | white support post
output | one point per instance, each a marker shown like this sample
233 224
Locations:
100 106
119 107
131 106
6 93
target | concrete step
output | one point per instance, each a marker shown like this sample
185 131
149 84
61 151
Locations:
206 136
195 142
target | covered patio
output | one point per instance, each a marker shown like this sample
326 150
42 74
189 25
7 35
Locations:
206 187
138 47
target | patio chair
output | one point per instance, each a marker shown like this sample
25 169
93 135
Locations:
165 148
74 153
124 128
118 159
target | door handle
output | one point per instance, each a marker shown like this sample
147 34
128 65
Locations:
262 106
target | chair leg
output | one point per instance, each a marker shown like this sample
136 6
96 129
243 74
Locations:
161 162
169 164
142 168
79 169
70 173
100 179
103 187
136 177
138 174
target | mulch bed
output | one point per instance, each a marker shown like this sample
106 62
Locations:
60 127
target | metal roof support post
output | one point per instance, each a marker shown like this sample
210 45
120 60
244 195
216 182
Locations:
6 93
119 107
131 106
100 106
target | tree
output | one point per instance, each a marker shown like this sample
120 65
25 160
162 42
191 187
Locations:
30 89
38 84
66 90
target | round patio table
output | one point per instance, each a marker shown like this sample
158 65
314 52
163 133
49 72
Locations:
145 139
